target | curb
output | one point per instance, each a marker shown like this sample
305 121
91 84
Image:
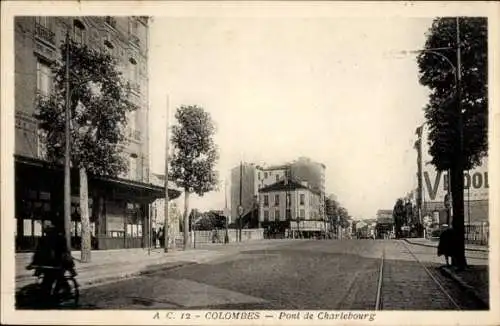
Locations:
432 246
114 276
463 285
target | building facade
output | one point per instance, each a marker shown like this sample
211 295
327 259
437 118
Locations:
289 200
256 177
119 206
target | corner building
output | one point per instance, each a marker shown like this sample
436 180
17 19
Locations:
119 207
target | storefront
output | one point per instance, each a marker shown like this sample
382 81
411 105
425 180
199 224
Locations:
119 208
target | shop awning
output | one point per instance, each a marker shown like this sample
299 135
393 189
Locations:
28 168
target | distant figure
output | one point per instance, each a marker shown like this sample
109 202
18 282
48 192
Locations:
446 245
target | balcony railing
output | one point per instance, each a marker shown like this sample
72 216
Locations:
44 33
110 21
134 40
135 87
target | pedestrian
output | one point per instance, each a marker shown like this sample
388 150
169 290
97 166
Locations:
161 237
446 246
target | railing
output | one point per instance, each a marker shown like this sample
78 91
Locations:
477 234
134 86
44 33
110 21
134 40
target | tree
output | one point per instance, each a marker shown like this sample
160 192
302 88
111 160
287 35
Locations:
99 107
194 157
399 214
457 115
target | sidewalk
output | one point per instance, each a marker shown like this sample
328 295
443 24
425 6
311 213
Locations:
434 244
110 265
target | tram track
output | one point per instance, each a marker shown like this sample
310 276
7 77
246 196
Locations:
453 303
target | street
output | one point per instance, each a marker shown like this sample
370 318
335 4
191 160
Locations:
303 274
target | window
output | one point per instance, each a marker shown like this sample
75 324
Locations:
276 200
288 213
43 21
42 146
266 215
131 120
133 168
44 78
266 200
302 199
277 214
134 26
302 214
79 32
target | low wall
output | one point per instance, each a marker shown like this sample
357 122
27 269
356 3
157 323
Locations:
217 236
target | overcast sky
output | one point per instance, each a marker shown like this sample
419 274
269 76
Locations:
331 89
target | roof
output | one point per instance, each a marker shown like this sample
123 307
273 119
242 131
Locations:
284 186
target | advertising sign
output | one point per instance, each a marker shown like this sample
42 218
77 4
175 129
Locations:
435 183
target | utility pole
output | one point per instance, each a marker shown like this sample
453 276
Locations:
458 175
167 149
226 235
67 153
240 208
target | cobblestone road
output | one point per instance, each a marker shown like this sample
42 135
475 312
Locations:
303 274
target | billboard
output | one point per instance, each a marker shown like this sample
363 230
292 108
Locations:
435 183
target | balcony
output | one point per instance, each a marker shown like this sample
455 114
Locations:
44 33
135 87
134 40
110 21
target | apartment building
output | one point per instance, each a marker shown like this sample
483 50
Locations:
118 206
255 177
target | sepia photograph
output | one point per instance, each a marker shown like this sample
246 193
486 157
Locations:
255 163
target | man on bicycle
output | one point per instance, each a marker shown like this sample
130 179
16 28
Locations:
52 258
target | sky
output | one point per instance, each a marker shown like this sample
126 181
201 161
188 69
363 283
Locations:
332 89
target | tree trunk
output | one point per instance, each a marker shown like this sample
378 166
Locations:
186 219
84 213
457 190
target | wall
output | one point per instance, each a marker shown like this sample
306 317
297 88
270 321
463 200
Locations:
249 173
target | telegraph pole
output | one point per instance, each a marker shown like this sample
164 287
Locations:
67 153
167 149
240 208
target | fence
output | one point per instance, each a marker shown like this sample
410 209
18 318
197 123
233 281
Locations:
217 236
477 234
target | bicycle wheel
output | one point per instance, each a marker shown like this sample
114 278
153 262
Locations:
66 293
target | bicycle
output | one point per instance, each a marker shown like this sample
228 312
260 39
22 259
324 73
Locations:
64 291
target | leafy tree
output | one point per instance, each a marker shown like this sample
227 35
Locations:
455 146
399 215
99 107
194 157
